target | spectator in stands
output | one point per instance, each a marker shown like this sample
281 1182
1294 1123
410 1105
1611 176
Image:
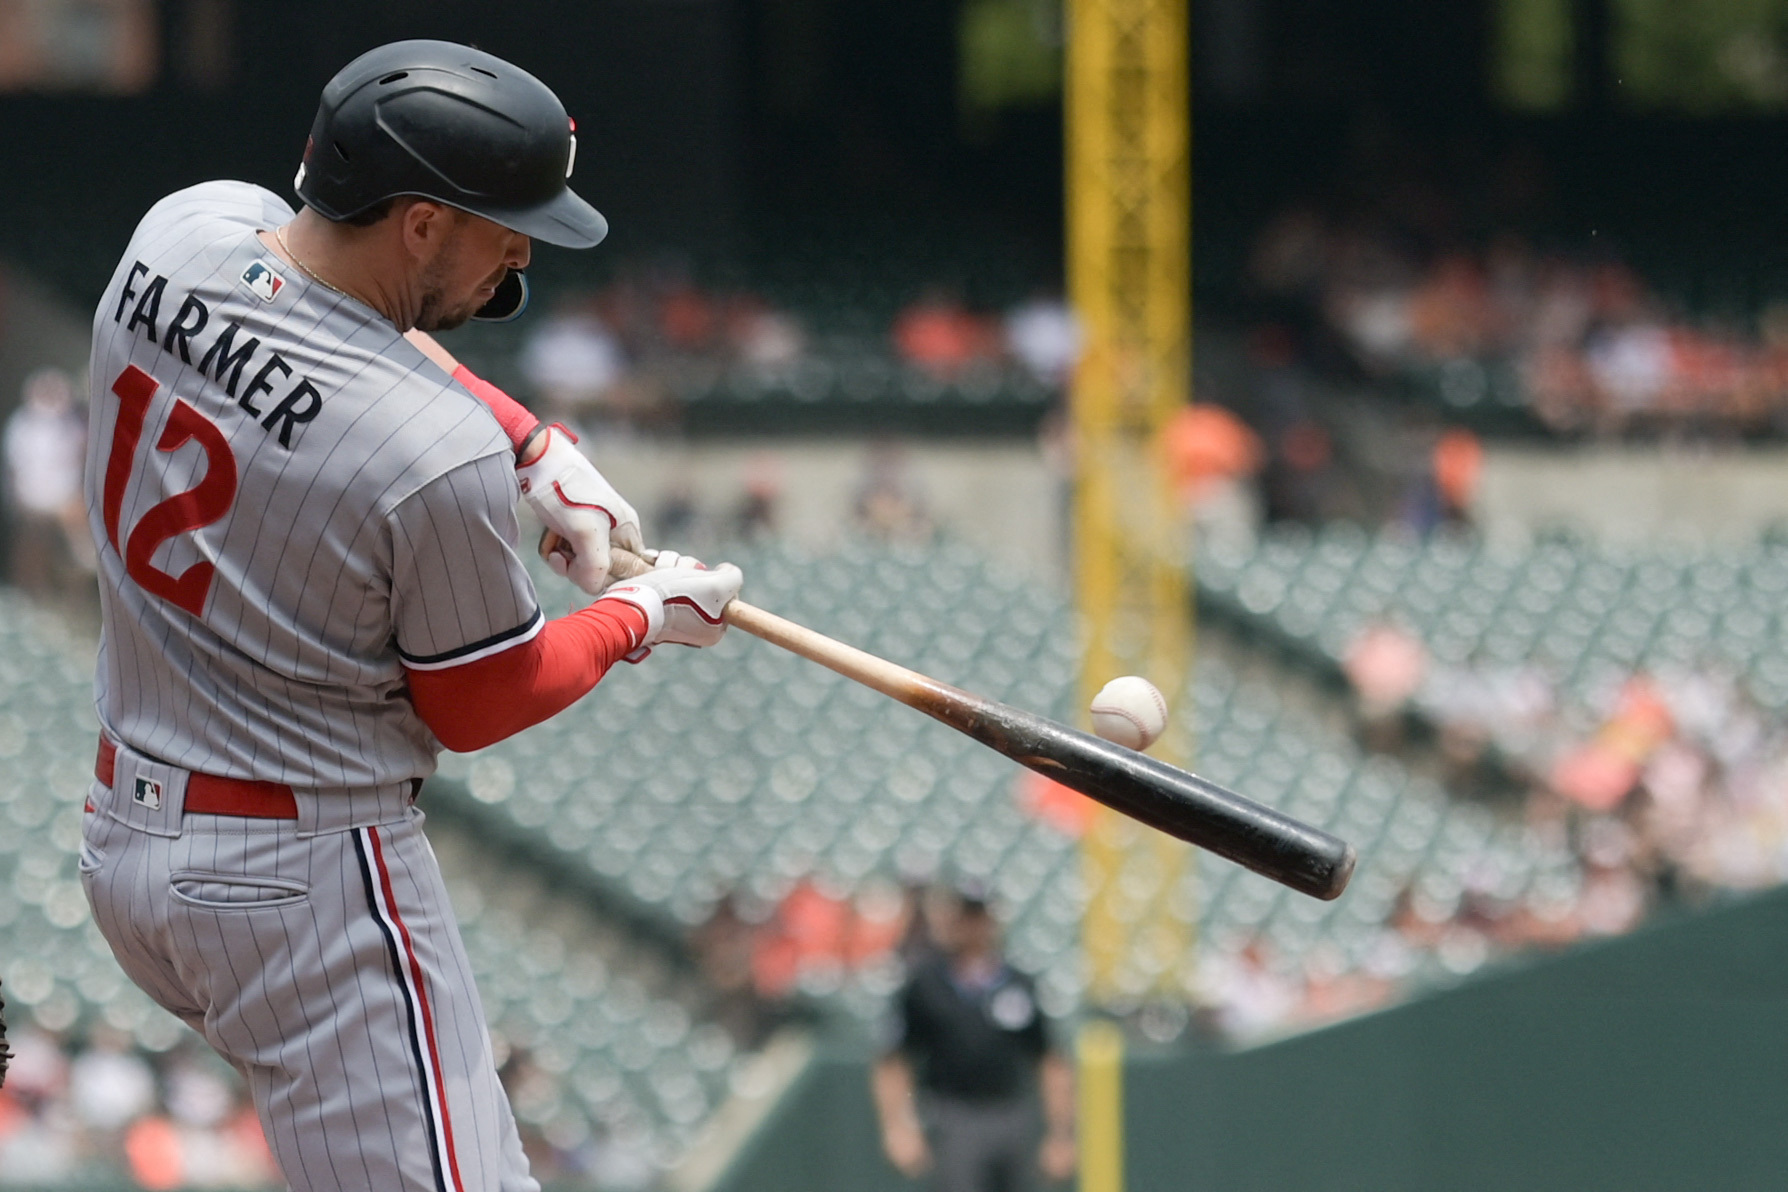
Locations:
109 1086
92 1114
1385 664
678 517
45 444
1302 480
1333 990
1043 335
688 319
38 1143
1632 368
889 504
1603 771
1290 257
1613 900
217 1139
768 341
725 948
1213 459
1450 313
1587 342
573 362
753 515
940 337
1247 991
1458 463
966 1042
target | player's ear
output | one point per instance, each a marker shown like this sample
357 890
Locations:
425 227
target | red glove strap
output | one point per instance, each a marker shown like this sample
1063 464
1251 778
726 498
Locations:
512 416
480 703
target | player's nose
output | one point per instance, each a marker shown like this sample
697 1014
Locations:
521 251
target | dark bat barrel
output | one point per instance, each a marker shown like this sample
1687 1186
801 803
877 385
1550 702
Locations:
1180 804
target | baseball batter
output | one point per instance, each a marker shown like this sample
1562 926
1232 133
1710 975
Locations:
311 584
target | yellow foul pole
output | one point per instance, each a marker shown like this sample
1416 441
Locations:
1129 272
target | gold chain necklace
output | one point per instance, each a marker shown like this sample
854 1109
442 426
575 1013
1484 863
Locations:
279 234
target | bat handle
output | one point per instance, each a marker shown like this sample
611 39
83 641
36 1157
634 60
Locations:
887 677
624 564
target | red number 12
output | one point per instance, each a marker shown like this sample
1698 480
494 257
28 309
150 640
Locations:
193 509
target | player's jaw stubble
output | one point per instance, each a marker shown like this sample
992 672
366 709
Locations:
441 310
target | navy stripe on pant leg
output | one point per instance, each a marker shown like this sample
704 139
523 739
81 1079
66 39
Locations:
412 1017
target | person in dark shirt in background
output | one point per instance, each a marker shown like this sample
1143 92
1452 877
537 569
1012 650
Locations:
968 1057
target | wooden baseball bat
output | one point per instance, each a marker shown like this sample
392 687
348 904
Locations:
1176 802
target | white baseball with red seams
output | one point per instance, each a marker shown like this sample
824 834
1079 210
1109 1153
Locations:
1130 711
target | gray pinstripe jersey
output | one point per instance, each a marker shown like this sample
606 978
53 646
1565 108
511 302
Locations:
292 504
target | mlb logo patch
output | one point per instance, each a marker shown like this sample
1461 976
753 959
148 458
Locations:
261 278
147 793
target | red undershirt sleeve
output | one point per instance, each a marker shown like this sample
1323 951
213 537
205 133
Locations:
479 703
512 416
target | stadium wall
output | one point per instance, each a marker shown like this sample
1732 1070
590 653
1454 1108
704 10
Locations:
1659 1060
1002 498
1635 494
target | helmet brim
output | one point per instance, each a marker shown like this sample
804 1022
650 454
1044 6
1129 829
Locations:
565 220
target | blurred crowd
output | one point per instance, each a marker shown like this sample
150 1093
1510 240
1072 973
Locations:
1644 789
622 354
87 1109
1659 788
1683 756
1577 337
618 1153
1230 477
51 553
757 955
607 356
92 1110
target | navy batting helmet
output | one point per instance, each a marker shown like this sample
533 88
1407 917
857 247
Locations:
452 124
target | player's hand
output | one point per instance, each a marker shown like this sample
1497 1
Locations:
1058 1159
905 1146
684 601
574 501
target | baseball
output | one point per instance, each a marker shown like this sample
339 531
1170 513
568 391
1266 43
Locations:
1129 711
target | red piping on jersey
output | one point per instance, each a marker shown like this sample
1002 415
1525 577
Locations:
479 703
512 416
428 1018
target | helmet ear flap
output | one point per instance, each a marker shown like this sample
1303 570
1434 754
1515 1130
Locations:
508 302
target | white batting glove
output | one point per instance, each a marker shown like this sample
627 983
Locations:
684 601
574 501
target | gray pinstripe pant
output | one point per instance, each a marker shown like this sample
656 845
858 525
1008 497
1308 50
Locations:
329 970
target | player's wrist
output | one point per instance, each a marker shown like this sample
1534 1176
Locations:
648 600
533 445
517 421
